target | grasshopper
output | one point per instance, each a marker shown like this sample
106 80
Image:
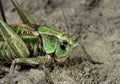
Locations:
32 44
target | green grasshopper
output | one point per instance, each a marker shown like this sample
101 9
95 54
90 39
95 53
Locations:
32 44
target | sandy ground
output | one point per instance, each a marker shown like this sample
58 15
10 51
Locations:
94 23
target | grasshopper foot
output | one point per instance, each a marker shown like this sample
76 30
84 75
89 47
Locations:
11 71
12 68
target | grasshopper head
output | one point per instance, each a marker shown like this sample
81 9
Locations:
65 46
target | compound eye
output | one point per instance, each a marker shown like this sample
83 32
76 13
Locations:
63 45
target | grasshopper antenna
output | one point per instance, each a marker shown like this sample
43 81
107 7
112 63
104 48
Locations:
67 26
2 12
66 22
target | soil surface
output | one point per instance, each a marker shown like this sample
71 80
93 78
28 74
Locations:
94 23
